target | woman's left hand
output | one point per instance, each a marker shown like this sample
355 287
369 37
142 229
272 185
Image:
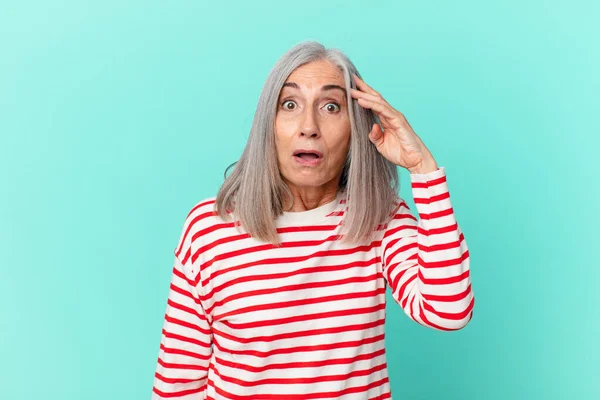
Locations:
397 142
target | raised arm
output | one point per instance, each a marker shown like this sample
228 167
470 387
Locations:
426 261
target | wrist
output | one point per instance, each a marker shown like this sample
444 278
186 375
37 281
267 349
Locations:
424 167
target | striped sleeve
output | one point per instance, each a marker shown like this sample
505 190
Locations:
426 261
186 341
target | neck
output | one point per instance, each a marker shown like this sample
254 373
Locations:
304 199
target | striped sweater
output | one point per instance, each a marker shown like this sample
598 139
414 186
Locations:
247 320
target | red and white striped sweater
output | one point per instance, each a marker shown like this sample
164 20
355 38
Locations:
247 320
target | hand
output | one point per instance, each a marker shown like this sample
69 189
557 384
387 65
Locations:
395 138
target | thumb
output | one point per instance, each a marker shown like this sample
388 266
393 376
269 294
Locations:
376 135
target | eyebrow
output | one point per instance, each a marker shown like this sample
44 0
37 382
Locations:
324 88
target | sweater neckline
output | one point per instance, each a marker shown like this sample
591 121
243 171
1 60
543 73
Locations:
317 214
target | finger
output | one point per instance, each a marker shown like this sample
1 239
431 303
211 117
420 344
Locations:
364 87
376 135
377 107
367 96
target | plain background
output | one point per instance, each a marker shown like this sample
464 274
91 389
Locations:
116 117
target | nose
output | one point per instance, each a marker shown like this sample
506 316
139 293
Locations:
309 125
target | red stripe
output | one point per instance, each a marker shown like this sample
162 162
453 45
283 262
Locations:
429 323
304 317
399 250
448 297
175 380
402 289
188 310
297 334
432 199
444 263
186 324
195 220
444 281
191 283
278 289
301 302
437 214
185 293
228 225
442 246
404 215
301 380
390 271
235 238
202 204
186 353
438 231
336 214
263 247
412 301
306 396
186 256
184 339
451 316
302 364
283 275
180 393
428 184
194 367
283 260
384 396
301 349
397 229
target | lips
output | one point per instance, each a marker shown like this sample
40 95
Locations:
307 154
307 157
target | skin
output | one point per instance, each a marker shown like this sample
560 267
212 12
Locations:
309 117
312 117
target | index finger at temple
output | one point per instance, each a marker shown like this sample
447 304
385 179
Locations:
362 85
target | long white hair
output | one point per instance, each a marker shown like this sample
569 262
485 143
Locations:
255 190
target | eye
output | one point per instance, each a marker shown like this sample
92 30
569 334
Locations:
332 107
288 105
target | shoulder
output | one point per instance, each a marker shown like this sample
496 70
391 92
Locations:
401 218
203 209
201 218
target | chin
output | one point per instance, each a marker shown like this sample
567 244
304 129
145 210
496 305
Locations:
306 183
312 182
302 180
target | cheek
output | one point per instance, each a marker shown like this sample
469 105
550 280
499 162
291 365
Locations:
341 139
282 141
284 129
340 146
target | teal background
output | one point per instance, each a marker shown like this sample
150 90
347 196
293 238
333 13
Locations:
117 117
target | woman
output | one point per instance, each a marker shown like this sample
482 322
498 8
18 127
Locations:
278 287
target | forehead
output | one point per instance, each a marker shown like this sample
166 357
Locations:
317 73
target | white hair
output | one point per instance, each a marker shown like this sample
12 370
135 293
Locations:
255 190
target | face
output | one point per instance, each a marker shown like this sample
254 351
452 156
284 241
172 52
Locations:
312 127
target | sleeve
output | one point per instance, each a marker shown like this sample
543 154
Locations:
186 342
426 262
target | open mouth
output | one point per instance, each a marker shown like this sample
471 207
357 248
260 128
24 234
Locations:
308 157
